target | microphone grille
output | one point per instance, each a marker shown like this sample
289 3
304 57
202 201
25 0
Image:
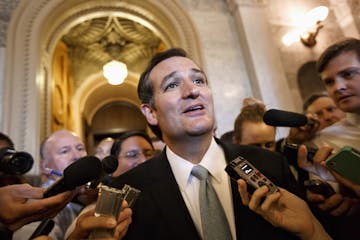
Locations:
274 117
109 164
82 171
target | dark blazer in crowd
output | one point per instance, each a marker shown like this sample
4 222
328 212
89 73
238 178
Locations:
161 213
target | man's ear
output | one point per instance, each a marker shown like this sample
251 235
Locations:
149 114
234 140
43 165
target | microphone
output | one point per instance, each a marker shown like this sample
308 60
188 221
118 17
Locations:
76 174
280 118
109 165
44 228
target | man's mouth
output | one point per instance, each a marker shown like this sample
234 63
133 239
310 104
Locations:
341 98
194 108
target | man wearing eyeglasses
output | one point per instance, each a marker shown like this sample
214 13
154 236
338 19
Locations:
131 149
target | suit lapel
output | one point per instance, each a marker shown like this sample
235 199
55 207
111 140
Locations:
167 196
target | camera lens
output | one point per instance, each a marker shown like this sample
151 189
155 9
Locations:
12 162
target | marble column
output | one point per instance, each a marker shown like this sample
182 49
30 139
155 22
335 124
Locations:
262 57
344 17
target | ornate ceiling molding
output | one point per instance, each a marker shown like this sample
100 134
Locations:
34 30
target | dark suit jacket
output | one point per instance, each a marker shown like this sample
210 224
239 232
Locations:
161 213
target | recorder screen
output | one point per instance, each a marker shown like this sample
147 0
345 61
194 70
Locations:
247 169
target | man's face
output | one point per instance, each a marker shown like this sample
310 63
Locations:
4 144
326 111
182 99
258 134
104 147
134 150
342 81
63 148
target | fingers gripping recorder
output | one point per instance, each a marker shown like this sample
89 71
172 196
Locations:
241 168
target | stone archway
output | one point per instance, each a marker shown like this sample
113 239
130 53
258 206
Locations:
35 28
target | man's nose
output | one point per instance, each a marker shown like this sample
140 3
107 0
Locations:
339 84
77 154
190 90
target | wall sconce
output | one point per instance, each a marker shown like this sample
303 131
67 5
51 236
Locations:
310 25
115 72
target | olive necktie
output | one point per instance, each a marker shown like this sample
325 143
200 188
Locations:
214 223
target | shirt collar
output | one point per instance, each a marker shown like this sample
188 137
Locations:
353 118
213 160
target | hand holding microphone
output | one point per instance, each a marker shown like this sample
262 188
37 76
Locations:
84 170
22 204
303 127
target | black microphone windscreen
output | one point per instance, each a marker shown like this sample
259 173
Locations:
109 164
78 173
82 171
280 118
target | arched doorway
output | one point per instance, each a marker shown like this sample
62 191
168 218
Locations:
35 30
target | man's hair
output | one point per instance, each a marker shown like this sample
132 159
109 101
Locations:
7 139
312 98
252 112
43 150
227 136
145 88
347 45
116 147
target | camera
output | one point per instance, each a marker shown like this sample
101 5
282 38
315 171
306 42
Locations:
13 162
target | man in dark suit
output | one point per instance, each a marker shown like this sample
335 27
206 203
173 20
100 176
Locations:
178 105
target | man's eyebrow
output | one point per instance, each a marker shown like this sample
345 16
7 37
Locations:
167 78
196 70
170 75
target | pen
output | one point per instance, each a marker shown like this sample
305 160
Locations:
53 172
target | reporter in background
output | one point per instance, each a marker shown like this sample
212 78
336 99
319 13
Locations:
325 109
321 108
58 151
340 211
22 204
339 69
249 127
103 148
131 148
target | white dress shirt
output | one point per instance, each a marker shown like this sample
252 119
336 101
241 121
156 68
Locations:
214 161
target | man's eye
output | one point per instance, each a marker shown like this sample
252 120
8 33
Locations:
269 144
199 81
82 149
330 109
171 86
131 154
349 74
64 151
329 82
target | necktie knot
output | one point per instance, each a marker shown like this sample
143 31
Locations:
200 172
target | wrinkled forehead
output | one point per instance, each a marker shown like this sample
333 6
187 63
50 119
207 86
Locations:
61 139
171 65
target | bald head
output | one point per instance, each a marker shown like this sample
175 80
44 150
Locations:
60 149
104 147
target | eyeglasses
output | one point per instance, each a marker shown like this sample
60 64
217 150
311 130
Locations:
136 154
